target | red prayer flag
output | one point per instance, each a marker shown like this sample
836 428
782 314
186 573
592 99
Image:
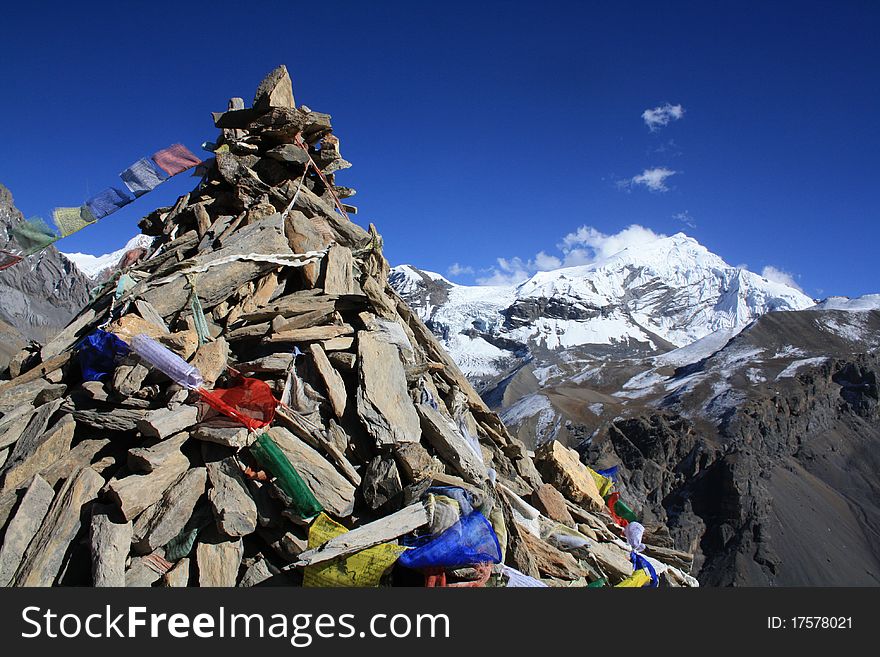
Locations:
251 402
175 158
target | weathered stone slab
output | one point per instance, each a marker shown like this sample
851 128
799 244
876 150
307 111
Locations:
217 283
276 90
147 459
336 391
219 562
136 492
550 561
334 492
110 543
165 519
339 271
117 419
38 448
561 466
258 572
551 503
164 422
178 576
234 509
45 554
309 319
312 334
221 431
79 457
14 422
68 336
451 445
211 360
360 538
128 379
383 401
23 527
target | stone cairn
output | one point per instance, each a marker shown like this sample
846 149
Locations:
133 480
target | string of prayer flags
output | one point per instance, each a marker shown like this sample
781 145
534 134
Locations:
175 159
33 235
143 176
108 202
70 220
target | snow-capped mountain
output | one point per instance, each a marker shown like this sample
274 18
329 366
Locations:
94 267
646 299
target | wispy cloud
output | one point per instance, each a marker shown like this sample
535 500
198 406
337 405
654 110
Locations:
510 271
662 116
652 179
456 269
685 218
777 275
583 246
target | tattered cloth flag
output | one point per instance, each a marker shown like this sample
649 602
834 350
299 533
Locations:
363 569
108 202
70 220
250 401
143 176
33 235
175 159
8 259
98 354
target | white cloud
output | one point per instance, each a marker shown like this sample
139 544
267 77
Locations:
662 116
508 272
776 275
654 179
456 269
587 245
581 247
545 262
685 218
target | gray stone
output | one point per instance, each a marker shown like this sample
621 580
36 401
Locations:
219 562
234 508
276 90
110 543
451 445
23 527
381 483
165 519
37 449
164 422
147 459
45 554
336 391
383 401
221 431
136 492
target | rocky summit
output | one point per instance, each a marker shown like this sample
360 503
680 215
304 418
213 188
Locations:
250 402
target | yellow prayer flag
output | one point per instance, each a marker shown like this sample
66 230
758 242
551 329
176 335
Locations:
363 569
70 220
604 484
637 580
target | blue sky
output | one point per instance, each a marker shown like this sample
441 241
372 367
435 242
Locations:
486 130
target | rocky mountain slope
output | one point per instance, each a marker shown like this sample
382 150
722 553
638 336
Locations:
39 295
645 299
98 268
754 442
